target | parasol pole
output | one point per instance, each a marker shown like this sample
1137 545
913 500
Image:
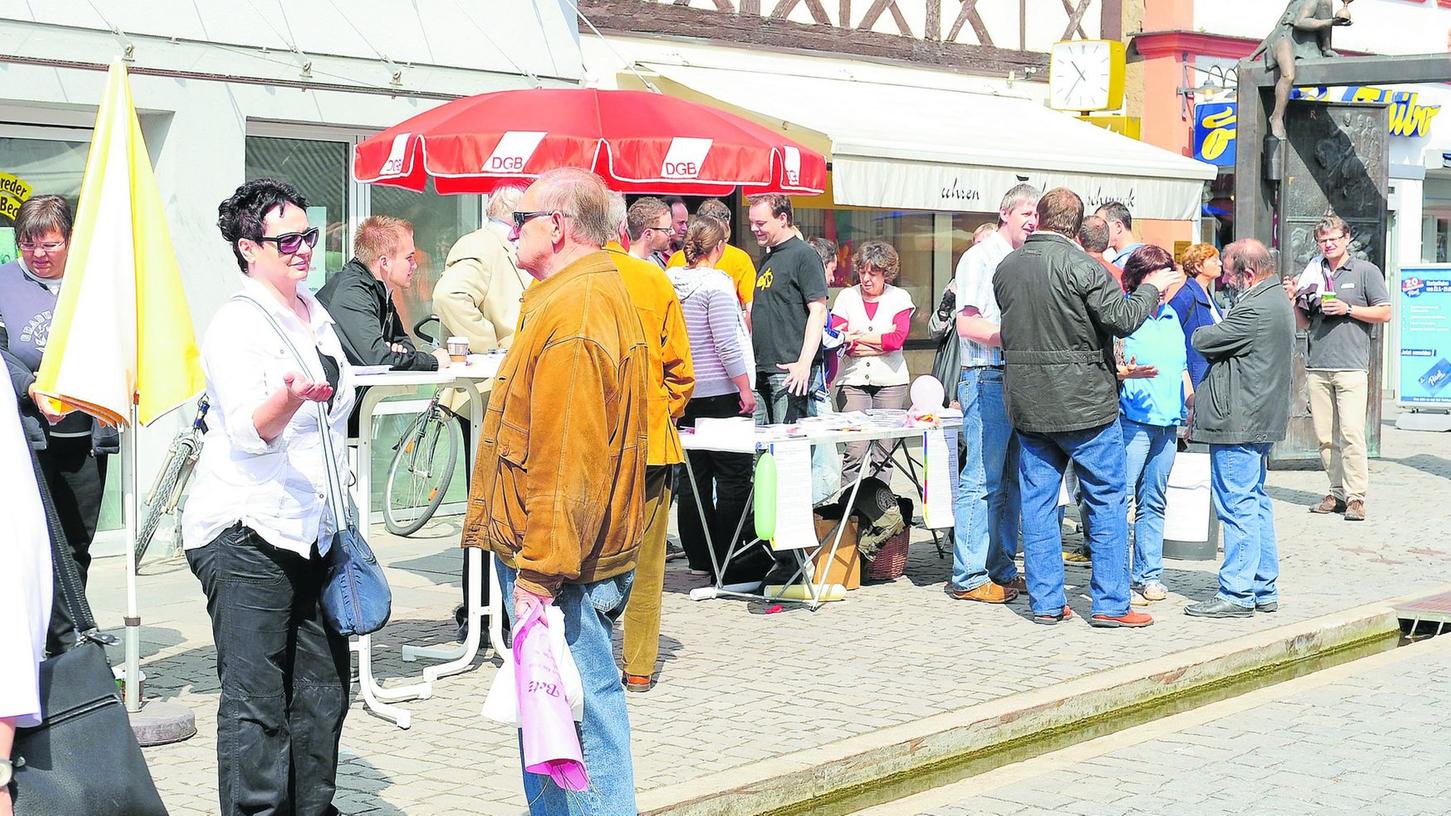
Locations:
132 638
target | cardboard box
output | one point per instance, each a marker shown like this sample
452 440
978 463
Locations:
846 567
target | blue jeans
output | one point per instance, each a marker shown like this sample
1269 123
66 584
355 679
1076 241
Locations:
985 512
774 404
590 612
1150 451
1251 557
1097 455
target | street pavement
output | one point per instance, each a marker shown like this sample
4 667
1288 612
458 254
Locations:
1366 738
739 689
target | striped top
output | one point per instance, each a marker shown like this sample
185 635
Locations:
719 344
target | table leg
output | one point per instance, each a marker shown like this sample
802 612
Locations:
401 717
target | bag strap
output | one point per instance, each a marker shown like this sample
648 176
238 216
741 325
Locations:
341 518
67 574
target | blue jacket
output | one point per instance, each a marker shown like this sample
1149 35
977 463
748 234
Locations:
1195 308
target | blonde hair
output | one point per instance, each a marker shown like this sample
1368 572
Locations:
1195 256
377 236
704 236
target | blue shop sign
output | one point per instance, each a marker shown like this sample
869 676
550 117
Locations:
1215 139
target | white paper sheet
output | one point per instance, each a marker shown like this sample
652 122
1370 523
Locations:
794 527
936 480
728 434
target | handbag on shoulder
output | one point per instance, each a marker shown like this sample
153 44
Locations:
356 599
83 757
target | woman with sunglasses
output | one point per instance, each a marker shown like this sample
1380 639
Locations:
257 524
72 448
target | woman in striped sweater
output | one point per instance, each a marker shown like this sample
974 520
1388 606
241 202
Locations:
721 351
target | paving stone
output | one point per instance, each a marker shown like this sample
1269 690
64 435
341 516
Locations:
738 687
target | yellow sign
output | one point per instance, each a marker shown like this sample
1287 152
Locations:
1129 126
13 192
1408 116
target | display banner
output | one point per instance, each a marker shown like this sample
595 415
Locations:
1424 335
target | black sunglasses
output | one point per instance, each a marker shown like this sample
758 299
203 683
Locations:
290 243
522 218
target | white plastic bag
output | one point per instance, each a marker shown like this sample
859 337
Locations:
502 703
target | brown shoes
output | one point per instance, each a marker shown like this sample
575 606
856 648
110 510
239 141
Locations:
1355 510
1128 620
987 593
1328 505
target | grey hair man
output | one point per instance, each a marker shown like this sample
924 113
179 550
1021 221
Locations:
1340 299
985 512
1241 409
564 448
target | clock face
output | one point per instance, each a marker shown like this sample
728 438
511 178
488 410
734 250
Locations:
1085 75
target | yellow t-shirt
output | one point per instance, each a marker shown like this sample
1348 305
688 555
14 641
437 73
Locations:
737 265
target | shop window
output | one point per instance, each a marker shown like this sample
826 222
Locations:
37 166
319 170
911 233
438 221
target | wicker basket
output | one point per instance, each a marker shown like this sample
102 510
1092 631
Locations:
891 560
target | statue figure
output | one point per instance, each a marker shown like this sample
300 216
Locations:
1302 32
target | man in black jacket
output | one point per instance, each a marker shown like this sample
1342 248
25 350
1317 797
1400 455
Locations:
1060 313
1241 409
359 298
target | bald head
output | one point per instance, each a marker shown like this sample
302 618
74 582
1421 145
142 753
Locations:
1247 262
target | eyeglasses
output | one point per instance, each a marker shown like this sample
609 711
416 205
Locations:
666 228
522 218
290 243
48 246
1331 239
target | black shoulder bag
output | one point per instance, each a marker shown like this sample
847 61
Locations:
83 757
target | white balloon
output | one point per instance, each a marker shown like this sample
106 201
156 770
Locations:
927 394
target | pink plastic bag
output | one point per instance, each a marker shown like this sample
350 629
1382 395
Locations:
551 744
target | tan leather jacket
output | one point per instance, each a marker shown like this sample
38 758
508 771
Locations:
559 484
478 297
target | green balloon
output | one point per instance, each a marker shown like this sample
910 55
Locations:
765 498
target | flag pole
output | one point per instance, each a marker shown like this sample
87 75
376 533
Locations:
132 639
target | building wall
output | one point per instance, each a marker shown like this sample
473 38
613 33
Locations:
206 76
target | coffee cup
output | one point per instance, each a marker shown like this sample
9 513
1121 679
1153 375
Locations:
458 349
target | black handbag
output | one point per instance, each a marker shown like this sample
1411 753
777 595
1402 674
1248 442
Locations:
83 757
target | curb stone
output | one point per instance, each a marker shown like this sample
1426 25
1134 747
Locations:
798 781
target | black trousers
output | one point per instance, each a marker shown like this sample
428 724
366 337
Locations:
724 482
77 481
284 677
460 615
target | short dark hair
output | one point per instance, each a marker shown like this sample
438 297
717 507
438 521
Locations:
241 215
878 255
1060 210
671 201
1144 260
1248 256
1116 211
780 205
715 208
825 248
41 214
1093 234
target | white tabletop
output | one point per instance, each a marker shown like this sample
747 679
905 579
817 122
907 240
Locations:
865 434
443 376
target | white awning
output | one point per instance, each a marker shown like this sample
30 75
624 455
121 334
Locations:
943 149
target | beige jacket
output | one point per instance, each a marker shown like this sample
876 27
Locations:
478 296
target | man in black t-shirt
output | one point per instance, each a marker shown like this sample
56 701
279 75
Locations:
788 313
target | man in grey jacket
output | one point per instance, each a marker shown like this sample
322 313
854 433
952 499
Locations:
1241 409
1060 313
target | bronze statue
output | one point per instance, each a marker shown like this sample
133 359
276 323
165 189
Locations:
1302 32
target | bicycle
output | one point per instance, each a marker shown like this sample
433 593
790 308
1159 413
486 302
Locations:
423 462
170 486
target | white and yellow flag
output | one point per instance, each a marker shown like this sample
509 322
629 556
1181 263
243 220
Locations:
122 333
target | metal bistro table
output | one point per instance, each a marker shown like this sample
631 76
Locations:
815 590
459 657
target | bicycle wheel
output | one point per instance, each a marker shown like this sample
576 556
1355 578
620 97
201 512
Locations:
420 472
159 501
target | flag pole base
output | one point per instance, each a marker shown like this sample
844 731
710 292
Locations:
160 723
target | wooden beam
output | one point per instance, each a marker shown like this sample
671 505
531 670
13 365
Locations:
818 13
1112 25
1333 71
1075 18
1254 198
933 28
968 14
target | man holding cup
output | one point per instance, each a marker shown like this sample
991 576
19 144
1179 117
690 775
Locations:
1338 300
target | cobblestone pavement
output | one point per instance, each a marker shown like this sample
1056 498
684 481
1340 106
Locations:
738 687
1371 741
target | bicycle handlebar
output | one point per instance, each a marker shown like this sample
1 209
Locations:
423 335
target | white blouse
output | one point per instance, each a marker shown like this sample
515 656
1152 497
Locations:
278 489
25 579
